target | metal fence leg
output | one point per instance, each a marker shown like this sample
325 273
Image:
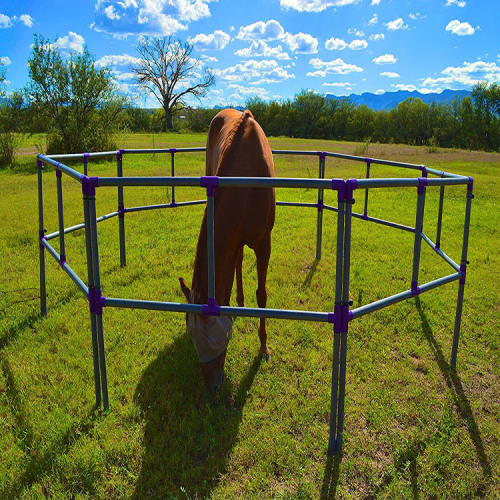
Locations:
41 234
418 237
172 153
319 226
336 332
365 211
121 210
463 270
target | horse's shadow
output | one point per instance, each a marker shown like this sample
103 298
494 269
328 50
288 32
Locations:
188 433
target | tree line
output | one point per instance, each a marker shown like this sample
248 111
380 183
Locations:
78 106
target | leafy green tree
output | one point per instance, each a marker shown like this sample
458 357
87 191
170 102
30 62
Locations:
79 101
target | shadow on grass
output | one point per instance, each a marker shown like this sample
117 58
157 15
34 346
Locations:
331 477
460 399
310 275
189 433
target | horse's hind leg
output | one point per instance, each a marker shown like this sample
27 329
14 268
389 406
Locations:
263 252
240 298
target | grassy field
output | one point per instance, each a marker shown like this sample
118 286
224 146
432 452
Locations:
413 428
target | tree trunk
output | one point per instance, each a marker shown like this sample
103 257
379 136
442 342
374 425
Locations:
168 118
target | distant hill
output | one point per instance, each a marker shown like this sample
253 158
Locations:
389 100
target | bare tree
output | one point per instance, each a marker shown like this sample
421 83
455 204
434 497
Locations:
167 70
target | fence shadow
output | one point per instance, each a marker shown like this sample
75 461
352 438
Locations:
331 477
188 433
462 404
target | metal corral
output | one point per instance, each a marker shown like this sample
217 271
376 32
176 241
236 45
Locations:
342 314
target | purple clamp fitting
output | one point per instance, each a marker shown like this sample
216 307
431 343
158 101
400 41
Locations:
62 259
368 161
320 205
470 185
86 157
96 301
41 236
345 318
210 309
39 163
58 172
422 182
119 154
463 270
121 211
344 188
210 182
331 318
173 151
441 173
415 289
423 168
322 155
337 318
89 184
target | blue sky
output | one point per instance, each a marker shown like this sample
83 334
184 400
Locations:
274 48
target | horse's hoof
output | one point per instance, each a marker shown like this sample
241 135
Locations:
267 356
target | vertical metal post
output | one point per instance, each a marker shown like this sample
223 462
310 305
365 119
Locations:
461 285
41 233
97 295
93 320
365 212
440 217
210 243
172 154
121 210
319 226
345 324
418 235
336 333
85 163
60 211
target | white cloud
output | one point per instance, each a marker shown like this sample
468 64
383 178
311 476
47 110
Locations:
377 36
458 28
5 61
5 21
268 70
390 74
337 66
373 20
302 43
262 49
411 88
358 44
458 3
270 30
26 19
354 31
215 41
209 59
314 5
466 75
375 2
72 41
397 24
111 13
416 16
337 84
253 91
335 44
380 91
117 60
385 59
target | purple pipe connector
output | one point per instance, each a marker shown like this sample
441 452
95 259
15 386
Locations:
62 259
210 182
41 236
422 182
173 151
344 188
58 172
96 301
415 289
119 154
470 185
423 168
368 161
320 205
210 309
39 163
337 318
340 318
121 211
89 184
322 155
463 270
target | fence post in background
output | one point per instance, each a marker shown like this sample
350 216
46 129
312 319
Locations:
96 300
172 154
365 212
121 210
418 234
60 212
440 217
463 270
319 227
41 236
85 163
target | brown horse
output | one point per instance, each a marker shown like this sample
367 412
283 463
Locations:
236 147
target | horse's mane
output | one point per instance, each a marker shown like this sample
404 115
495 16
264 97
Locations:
230 139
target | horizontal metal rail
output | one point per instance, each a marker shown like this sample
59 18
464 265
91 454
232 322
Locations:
71 229
164 150
384 222
402 182
165 205
448 259
296 204
64 168
81 155
393 299
76 279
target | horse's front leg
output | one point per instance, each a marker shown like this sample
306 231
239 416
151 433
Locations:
263 253
240 299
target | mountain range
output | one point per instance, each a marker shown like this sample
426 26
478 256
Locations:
389 100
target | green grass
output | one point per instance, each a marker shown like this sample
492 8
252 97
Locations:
413 427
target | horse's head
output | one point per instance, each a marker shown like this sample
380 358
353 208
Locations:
210 336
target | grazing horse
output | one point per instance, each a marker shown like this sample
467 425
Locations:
236 147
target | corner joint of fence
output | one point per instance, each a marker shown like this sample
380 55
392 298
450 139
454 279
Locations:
211 309
210 182
39 162
96 301
119 154
470 185
89 184
345 189
422 183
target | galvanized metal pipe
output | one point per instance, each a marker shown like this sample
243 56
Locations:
60 212
121 206
64 168
384 222
210 245
41 233
440 217
449 260
319 224
165 205
173 175
365 213
71 229
418 237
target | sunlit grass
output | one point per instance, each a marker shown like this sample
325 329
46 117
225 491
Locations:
412 425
